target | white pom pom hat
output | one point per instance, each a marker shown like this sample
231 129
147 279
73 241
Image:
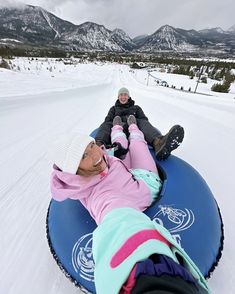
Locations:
68 149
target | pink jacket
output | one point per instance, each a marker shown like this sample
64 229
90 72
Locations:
114 188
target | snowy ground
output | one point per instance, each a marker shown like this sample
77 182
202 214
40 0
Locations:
38 103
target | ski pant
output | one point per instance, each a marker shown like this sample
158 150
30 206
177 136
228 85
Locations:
149 131
138 156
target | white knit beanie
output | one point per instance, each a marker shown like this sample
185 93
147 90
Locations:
123 91
68 149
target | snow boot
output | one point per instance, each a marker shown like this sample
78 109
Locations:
131 120
117 121
163 145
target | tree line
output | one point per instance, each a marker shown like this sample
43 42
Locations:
215 69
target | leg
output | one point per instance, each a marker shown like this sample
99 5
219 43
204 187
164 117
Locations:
118 136
150 132
139 152
103 134
163 145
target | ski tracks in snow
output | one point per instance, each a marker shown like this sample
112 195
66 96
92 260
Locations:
30 123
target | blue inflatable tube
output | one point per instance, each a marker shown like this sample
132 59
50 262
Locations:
186 207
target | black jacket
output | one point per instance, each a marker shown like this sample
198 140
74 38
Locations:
124 110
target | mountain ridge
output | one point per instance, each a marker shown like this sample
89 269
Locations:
36 26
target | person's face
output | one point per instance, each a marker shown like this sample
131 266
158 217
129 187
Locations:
123 98
92 162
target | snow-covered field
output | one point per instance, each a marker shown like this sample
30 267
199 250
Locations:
45 98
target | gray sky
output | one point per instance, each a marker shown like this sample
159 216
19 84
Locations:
137 17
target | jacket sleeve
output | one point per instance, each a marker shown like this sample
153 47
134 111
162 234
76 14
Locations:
104 131
110 115
140 114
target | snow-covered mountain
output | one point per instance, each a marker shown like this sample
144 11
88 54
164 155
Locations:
168 38
212 31
27 24
90 36
121 38
232 29
34 25
140 40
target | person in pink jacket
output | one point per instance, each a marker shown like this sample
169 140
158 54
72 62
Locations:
102 182
132 254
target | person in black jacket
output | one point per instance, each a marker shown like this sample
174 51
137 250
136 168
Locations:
118 114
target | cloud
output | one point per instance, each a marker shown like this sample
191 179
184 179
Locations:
11 3
142 16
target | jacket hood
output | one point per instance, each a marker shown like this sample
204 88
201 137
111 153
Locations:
129 103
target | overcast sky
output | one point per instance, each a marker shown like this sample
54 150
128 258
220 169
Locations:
137 17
